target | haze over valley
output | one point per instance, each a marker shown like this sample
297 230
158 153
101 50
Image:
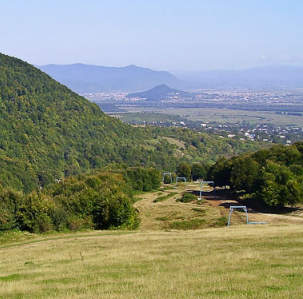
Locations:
93 79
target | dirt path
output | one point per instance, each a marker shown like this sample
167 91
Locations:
167 211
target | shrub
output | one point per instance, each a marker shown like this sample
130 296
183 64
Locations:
34 214
10 202
187 197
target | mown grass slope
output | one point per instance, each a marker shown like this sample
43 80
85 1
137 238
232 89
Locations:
236 262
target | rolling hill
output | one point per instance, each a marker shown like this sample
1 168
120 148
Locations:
85 78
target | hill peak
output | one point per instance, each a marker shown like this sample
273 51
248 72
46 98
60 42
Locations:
163 87
158 92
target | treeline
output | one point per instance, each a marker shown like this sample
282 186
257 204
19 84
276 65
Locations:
97 201
194 171
272 176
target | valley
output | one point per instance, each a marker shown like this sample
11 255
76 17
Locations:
271 116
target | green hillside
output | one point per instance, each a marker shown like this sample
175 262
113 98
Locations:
48 132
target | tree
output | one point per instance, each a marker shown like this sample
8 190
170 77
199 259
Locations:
184 170
244 173
198 171
277 186
220 173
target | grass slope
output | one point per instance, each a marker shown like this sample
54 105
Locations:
162 211
237 262
165 210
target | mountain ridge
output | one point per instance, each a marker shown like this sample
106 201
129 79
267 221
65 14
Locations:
85 78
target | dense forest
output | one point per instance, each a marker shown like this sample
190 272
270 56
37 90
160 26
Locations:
273 177
48 132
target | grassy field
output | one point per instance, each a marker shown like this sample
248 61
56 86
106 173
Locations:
237 262
159 260
214 114
234 116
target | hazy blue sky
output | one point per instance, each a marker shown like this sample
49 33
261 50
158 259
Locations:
161 34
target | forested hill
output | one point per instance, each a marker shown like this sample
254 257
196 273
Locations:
48 132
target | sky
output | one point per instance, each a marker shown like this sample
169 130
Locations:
175 35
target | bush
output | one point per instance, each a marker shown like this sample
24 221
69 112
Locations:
187 197
34 214
10 202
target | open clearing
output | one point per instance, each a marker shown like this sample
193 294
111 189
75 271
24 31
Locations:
211 212
156 261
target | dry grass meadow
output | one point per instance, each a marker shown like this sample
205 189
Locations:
156 261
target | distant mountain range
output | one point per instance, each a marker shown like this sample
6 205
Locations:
83 78
160 92
269 77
